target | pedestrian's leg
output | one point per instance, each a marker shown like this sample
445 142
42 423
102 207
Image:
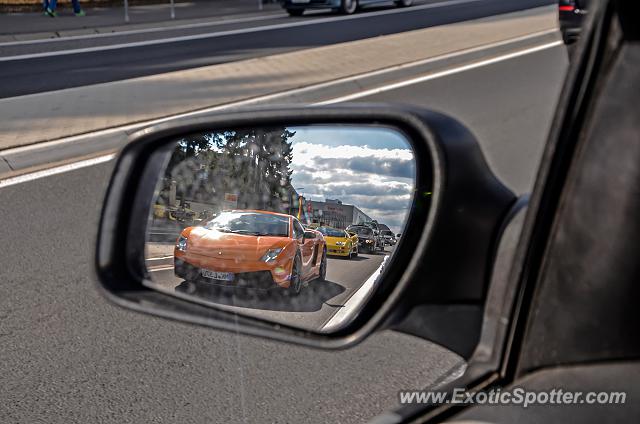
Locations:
76 8
51 7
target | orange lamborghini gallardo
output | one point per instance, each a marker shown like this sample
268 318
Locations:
253 249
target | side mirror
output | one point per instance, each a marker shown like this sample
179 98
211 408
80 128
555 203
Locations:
241 271
309 235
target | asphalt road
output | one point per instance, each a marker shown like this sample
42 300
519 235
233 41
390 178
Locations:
318 302
69 356
38 74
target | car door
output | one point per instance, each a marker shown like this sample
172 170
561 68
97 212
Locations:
305 247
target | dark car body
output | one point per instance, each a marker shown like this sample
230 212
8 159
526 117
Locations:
321 4
571 15
366 237
299 6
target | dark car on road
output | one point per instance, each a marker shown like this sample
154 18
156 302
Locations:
366 238
297 7
571 14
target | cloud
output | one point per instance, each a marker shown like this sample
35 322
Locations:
378 181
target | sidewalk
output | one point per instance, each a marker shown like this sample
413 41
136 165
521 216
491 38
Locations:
33 25
52 115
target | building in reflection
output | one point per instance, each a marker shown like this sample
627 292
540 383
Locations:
334 213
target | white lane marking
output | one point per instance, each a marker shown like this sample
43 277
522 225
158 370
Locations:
355 303
322 84
233 32
159 258
313 87
440 74
142 30
56 170
166 268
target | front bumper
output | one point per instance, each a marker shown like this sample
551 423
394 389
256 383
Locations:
263 279
364 245
339 250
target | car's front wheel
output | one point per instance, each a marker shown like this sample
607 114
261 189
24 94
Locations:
295 12
295 283
322 275
347 7
403 3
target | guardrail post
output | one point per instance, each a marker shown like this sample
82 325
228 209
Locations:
173 10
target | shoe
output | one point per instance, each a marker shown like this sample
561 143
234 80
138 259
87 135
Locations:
80 13
50 13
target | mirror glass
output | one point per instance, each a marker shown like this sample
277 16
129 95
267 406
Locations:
293 224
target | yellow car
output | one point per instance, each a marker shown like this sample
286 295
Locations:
339 242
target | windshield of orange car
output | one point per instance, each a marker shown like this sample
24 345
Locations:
250 223
332 232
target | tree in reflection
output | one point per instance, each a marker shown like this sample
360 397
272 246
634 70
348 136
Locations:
237 168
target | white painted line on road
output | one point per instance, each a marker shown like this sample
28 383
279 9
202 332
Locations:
143 30
159 258
115 130
440 74
355 303
156 269
234 32
330 83
56 170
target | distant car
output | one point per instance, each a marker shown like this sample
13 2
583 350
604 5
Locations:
297 7
339 242
366 239
377 233
389 238
571 14
252 249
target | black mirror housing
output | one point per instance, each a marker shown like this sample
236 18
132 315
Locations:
451 226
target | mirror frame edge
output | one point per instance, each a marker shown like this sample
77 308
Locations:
119 278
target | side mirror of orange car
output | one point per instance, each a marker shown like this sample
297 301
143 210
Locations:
259 175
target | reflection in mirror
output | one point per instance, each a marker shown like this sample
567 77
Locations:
292 225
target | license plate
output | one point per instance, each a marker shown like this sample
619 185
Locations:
216 275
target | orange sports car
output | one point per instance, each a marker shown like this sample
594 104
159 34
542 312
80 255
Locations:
250 248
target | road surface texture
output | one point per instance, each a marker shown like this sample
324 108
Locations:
69 356
314 307
38 74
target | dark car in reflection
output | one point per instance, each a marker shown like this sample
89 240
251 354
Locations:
366 237
571 14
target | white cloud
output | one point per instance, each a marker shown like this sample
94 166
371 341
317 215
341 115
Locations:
378 181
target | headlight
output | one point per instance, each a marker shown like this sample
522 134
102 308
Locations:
368 241
340 243
181 244
271 255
